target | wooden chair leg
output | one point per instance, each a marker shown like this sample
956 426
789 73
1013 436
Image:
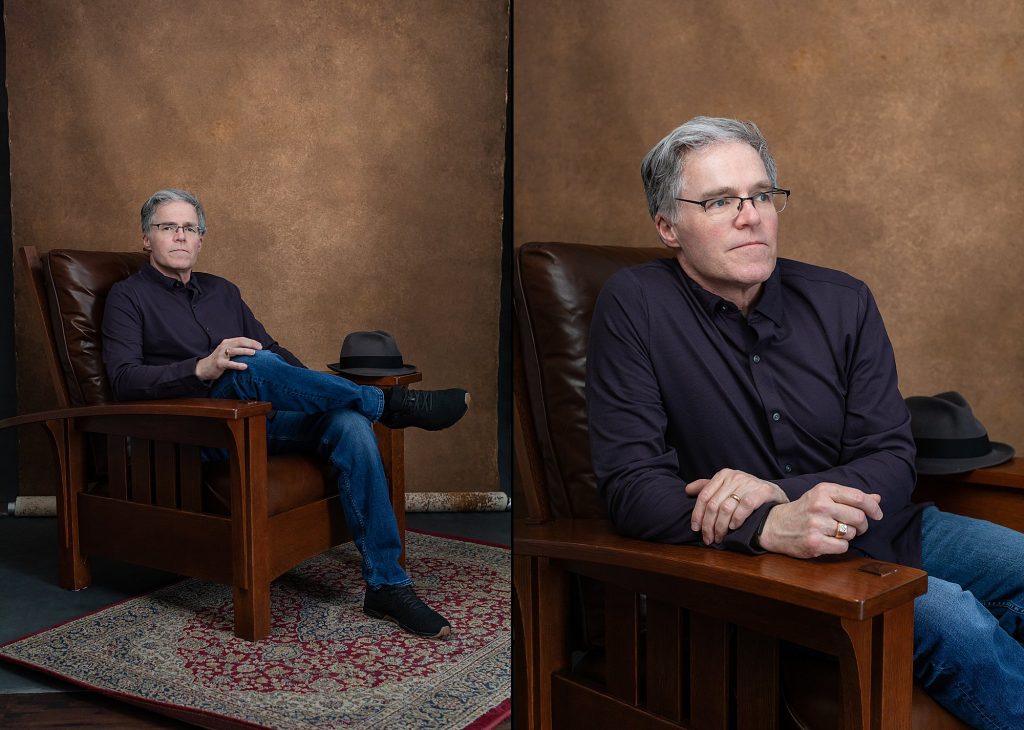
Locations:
250 529
68 446
252 612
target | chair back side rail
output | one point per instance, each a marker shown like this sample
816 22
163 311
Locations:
37 285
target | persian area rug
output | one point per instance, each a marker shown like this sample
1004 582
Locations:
325 664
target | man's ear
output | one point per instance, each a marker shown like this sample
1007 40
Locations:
146 245
665 231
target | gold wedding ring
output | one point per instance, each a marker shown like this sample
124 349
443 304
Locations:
736 497
841 529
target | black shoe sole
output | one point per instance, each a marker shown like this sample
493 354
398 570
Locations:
444 633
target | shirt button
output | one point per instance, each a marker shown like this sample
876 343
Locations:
756 358
788 468
723 308
776 416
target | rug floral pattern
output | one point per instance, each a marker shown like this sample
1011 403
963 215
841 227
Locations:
325 664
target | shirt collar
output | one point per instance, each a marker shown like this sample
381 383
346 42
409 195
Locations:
151 273
769 305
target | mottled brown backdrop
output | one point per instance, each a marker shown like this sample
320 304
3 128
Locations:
899 127
349 155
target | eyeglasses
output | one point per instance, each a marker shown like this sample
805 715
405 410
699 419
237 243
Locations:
773 200
172 228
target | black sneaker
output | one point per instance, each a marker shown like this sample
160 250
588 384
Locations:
401 605
431 410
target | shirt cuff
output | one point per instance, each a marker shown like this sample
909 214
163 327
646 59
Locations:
744 539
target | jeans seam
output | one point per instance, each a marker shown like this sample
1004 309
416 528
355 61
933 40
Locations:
969 698
1008 605
346 491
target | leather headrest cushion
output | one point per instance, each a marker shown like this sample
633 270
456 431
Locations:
557 288
77 283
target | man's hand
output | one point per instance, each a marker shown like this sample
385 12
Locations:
213 365
717 511
809 527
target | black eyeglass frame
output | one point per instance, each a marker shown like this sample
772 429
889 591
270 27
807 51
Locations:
739 206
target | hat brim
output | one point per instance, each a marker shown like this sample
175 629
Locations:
372 372
999 454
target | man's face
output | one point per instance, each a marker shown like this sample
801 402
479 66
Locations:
732 256
173 252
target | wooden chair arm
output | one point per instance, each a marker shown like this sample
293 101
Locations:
214 408
834 586
995 494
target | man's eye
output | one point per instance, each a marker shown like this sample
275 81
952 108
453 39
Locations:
168 228
716 203
762 197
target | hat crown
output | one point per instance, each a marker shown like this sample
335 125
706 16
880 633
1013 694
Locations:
944 416
371 353
373 343
948 438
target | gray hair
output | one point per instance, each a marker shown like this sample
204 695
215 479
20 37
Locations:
662 168
170 195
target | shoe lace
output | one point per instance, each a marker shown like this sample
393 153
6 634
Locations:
406 596
420 401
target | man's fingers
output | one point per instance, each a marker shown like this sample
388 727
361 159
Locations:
243 342
867 503
694 487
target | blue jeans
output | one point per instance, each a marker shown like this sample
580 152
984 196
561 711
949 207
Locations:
331 417
969 627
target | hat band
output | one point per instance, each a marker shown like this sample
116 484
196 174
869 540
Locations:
371 361
953 448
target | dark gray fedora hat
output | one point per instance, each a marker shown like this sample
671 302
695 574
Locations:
371 354
949 439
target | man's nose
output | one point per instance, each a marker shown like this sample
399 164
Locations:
748 214
179 233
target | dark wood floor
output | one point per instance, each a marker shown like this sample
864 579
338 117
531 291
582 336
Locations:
86 710
76 710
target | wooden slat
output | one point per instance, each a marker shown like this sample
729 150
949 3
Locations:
709 672
117 466
757 680
190 478
622 631
142 470
667 675
165 472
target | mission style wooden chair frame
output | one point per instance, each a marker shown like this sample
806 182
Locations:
131 482
692 637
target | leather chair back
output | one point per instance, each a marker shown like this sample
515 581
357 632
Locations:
555 291
77 284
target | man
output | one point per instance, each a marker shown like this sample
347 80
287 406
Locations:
751 403
171 332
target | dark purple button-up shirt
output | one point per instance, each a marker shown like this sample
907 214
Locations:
801 391
155 329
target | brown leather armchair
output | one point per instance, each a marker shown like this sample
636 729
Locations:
614 632
131 483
